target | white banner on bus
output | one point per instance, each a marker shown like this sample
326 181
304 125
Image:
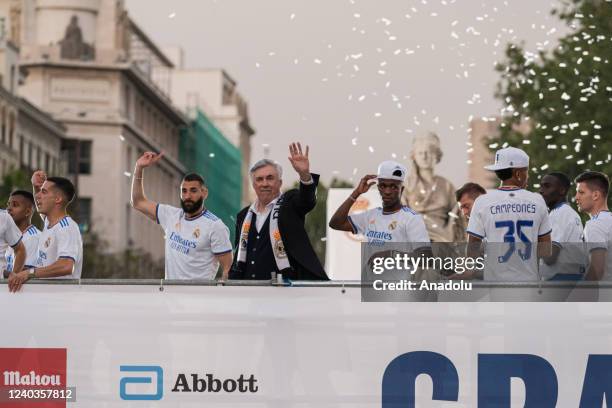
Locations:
319 347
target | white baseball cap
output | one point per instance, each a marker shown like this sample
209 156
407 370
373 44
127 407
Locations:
509 158
391 170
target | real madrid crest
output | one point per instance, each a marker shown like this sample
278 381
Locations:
48 242
280 249
393 225
196 233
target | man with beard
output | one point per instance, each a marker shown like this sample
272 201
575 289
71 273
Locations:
196 240
566 261
466 195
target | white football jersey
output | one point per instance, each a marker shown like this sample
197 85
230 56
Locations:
30 241
511 221
402 226
191 245
567 235
61 240
598 234
9 236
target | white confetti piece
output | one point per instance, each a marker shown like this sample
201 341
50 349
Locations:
127 174
292 16
371 149
172 15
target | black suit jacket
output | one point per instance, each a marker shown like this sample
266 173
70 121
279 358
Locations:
303 260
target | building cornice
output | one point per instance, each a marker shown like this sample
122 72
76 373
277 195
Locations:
24 107
46 120
144 84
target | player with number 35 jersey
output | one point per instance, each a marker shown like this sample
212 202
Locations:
512 220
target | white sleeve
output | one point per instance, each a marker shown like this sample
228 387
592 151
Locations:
476 225
559 230
163 214
417 231
11 233
595 236
359 221
31 246
563 227
545 225
220 238
68 242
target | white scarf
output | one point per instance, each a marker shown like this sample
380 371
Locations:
278 248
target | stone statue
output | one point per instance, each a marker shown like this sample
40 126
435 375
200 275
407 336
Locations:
15 22
430 195
72 45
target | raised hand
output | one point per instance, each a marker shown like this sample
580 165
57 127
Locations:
38 179
299 160
148 159
364 185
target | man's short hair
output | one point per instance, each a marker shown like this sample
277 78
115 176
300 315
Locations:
194 177
504 174
595 180
563 179
266 162
65 186
25 194
473 189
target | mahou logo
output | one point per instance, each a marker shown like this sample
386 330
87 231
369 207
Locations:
33 368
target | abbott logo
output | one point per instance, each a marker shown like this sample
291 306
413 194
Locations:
159 390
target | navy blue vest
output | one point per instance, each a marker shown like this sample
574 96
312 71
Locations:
260 261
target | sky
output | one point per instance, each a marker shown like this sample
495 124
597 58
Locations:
355 79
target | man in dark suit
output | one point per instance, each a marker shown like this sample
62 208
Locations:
270 234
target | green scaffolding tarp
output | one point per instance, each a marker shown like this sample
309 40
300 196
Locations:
204 150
